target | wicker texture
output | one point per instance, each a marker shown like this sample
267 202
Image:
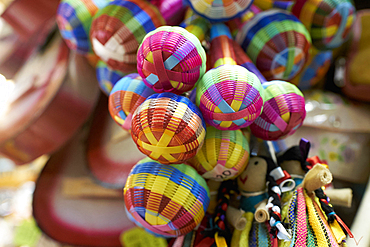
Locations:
125 97
230 97
219 10
315 70
224 154
283 111
118 29
168 200
328 21
196 25
74 19
107 77
277 42
168 128
171 59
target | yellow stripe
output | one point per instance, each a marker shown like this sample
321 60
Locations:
163 186
314 222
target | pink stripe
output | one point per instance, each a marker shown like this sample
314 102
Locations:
301 220
145 224
127 124
280 123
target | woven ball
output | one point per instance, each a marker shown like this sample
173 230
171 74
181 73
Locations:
171 59
167 200
125 97
118 29
107 77
230 97
315 70
224 154
328 21
217 11
168 128
74 19
283 112
277 42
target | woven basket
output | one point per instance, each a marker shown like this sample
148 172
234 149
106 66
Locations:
74 19
167 200
118 29
125 97
315 70
283 111
168 128
217 11
230 97
328 21
171 59
107 77
277 42
224 154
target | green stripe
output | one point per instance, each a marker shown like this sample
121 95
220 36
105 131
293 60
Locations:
265 34
279 88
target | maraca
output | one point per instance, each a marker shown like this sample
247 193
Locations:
125 97
171 59
328 21
118 29
224 154
74 18
315 69
168 128
167 200
218 11
284 109
229 96
107 77
277 42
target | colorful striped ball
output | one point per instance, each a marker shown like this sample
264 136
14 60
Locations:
125 97
283 112
328 21
107 77
74 19
168 128
118 29
224 155
315 70
171 59
230 97
219 10
277 42
167 200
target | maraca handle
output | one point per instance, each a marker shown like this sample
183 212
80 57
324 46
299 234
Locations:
243 60
195 24
222 51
